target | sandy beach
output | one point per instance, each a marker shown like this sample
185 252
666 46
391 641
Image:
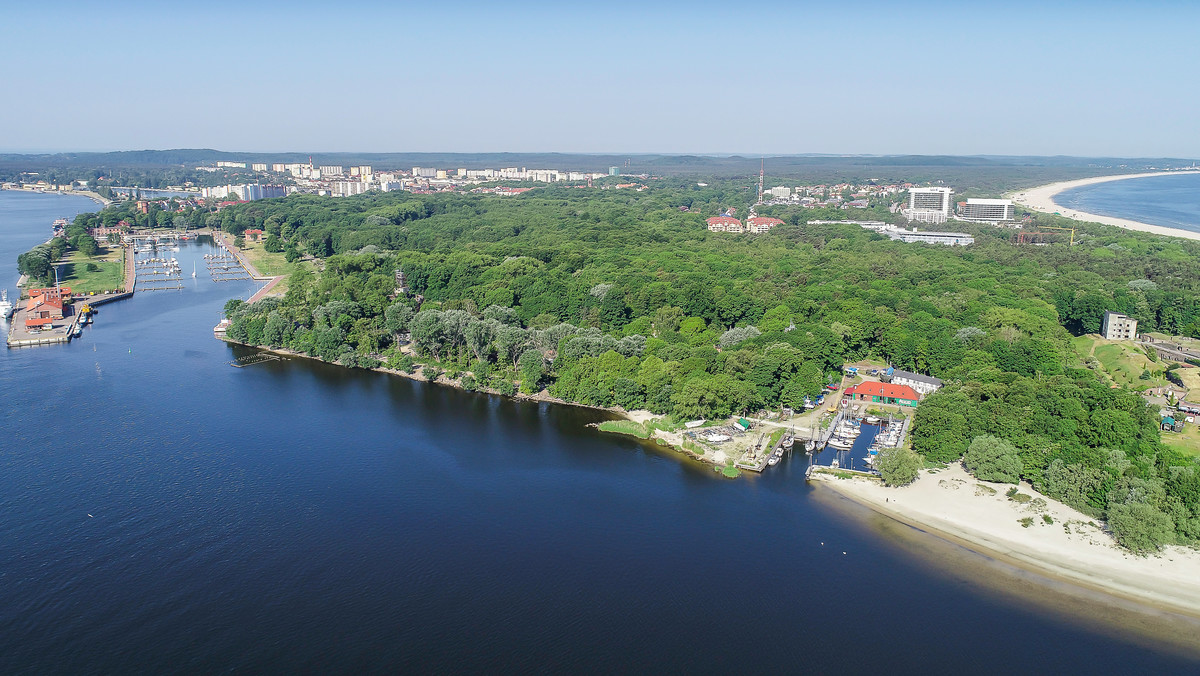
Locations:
1041 198
1072 547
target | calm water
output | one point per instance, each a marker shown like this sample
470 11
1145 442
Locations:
1170 201
163 512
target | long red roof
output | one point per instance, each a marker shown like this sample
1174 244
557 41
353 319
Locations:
874 389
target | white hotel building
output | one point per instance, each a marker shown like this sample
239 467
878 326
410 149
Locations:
987 210
928 205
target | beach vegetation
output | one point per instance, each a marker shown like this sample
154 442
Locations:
1140 527
1026 522
898 466
625 427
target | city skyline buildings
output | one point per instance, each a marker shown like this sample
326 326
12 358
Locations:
615 78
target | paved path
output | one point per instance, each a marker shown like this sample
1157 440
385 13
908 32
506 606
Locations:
249 267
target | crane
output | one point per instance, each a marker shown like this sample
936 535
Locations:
1023 234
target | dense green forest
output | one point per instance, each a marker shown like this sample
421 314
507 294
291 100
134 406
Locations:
617 297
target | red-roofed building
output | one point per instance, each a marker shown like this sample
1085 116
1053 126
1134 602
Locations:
724 224
761 224
45 305
254 235
884 393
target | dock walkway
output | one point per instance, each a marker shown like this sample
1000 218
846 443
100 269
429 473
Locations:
257 276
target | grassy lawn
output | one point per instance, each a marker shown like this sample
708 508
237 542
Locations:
1190 378
1187 441
1120 361
111 275
273 264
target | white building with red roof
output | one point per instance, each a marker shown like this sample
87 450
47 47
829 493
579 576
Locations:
724 224
761 224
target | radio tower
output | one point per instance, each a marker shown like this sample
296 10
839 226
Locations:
761 167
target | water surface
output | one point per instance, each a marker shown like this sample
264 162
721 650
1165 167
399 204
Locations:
1169 201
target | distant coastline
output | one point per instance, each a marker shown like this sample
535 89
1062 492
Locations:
95 197
1041 199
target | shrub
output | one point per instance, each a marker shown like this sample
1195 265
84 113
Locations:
1026 522
504 387
993 459
1140 527
898 466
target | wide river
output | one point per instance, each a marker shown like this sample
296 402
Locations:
164 512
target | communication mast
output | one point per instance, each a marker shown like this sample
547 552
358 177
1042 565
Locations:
761 167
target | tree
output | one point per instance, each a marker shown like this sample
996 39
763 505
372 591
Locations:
990 458
666 320
898 466
87 245
532 367
232 306
397 316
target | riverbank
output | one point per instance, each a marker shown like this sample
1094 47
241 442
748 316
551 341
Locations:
1041 199
1038 534
663 438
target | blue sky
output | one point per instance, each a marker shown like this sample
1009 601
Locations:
1096 78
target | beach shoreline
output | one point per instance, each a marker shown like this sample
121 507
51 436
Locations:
1041 199
1071 548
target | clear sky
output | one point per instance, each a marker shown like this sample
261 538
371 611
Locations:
1039 78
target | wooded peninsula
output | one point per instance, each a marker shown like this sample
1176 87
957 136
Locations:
623 298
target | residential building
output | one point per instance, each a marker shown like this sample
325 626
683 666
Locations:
724 224
253 235
258 167
331 170
987 210
232 165
921 383
780 192
946 238
245 193
884 393
614 171
761 224
347 188
1119 327
928 205
424 172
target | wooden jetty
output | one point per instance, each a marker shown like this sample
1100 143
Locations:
256 358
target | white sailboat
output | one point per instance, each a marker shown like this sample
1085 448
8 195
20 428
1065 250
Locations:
193 269
6 308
